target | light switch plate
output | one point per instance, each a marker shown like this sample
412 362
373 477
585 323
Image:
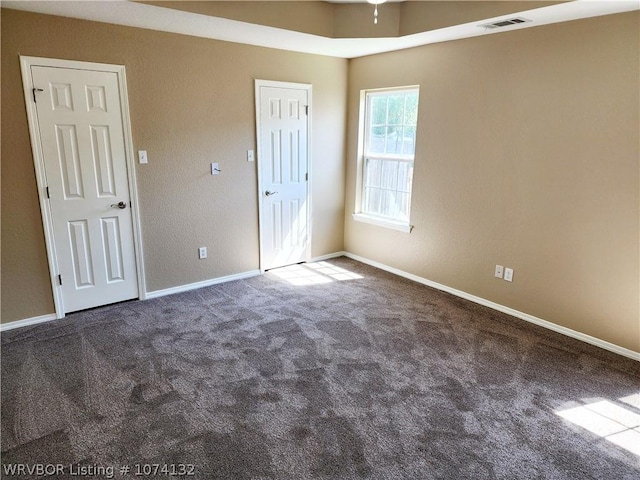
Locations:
250 156
142 156
508 274
215 169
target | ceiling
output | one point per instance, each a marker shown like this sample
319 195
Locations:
158 17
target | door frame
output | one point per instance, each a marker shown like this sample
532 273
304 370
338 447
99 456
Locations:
260 148
26 62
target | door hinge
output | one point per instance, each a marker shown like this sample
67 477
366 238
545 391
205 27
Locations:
60 279
48 196
34 91
306 109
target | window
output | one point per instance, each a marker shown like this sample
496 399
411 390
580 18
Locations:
388 147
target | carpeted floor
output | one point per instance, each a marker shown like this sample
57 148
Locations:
324 371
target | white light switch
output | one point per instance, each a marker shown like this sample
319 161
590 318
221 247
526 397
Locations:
215 169
508 274
142 156
250 156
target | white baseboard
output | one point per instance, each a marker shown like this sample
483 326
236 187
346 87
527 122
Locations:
328 256
459 293
501 308
149 295
27 322
204 283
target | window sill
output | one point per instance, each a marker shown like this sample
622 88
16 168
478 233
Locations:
382 222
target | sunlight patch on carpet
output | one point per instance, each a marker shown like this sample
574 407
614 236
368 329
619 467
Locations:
313 273
619 425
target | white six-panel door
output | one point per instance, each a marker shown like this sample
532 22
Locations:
81 135
283 163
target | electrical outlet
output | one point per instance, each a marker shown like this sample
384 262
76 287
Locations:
202 252
508 274
499 270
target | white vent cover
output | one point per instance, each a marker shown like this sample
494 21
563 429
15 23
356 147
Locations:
505 23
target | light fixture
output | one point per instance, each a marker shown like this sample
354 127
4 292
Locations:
375 11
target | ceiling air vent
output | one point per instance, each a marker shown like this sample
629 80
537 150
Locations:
505 23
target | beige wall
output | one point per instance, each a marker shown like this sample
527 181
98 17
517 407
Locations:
527 156
430 15
355 20
192 103
310 17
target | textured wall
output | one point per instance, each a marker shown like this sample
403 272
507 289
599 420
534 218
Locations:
527 156
192 103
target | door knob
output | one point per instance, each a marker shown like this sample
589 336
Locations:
120 205
268 193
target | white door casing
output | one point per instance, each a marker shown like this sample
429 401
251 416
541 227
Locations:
80 132
283 125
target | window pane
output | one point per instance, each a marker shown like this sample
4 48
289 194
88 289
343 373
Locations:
404 202
394 140
373 172
395 115
405 176
409 140
378 110
394 205
390 137
389 174
387 208
391 129
411 109
375 143
387 189
372 200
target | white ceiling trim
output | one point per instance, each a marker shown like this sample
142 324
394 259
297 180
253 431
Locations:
123 12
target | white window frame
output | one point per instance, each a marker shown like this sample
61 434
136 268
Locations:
364 128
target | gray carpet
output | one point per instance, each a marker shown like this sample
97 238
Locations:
374 377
